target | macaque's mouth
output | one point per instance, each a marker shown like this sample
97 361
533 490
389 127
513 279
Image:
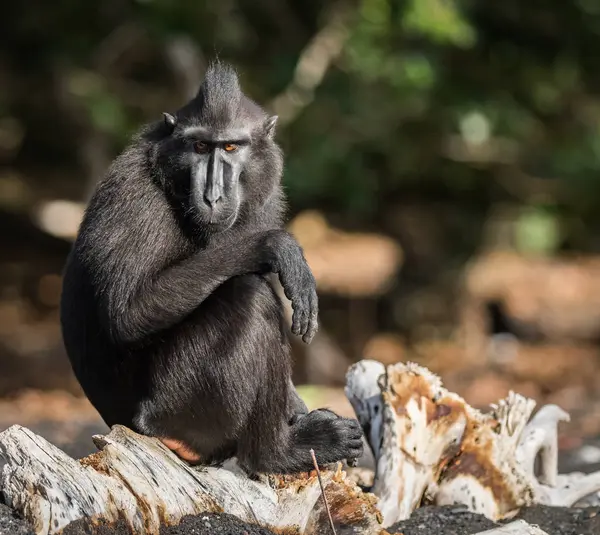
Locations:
218 222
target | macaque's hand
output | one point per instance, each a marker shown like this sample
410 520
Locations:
284 256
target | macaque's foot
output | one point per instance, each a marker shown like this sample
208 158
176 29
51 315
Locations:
332 437
181 450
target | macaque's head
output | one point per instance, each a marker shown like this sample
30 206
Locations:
218 157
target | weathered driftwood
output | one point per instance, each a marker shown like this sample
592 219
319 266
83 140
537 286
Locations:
136 479
431 446
518 527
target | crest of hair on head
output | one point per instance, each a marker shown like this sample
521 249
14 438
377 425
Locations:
219 95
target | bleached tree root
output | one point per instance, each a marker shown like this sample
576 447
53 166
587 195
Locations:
519 527
431 446
138 480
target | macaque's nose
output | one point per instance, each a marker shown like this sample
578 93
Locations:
212 200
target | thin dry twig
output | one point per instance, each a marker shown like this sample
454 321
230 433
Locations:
314 458
316 58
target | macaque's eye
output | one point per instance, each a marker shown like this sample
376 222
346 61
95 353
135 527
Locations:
229 147
200 147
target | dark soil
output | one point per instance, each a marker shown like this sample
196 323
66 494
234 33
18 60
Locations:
222 524
564 521
11 524
442 521
458 521
424 521
208 524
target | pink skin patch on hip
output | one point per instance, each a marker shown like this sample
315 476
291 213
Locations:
181 450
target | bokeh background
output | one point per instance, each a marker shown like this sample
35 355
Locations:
443 176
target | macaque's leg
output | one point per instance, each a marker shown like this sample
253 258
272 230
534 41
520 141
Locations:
297 407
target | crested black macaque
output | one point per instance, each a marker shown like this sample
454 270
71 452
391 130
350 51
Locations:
168 317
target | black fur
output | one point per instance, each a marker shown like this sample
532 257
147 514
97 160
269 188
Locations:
168 319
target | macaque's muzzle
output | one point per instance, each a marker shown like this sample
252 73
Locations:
214 186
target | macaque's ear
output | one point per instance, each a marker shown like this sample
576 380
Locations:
170 121
269 126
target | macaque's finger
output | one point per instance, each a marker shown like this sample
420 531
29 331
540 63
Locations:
303 314
308 314
313 320
311 331
295 319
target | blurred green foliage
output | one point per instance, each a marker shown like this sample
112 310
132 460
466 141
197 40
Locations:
446 107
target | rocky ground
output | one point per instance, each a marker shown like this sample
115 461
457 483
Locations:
424 521
458 521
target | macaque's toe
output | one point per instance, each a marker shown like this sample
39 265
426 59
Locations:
181 450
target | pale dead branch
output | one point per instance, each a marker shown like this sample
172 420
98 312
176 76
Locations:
431 446
316 58
138 480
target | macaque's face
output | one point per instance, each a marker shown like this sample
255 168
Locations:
216 163
219 154
204 171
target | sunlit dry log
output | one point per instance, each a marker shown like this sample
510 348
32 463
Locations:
136 479
519 527
431 446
